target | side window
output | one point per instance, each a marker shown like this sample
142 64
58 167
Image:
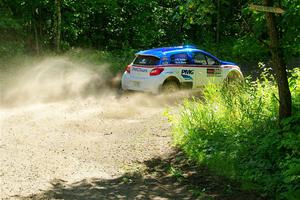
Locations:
181 58
199 58
211 61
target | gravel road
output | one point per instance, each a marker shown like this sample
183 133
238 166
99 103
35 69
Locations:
66 134
95 137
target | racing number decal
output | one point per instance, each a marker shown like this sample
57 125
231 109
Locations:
214 72
185 73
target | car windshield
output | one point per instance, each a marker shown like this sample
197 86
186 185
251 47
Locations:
146 60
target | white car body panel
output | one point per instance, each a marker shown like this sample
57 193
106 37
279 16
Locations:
139 78
186 69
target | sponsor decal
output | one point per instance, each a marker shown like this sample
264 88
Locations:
181 58
185 73
214 72
139 69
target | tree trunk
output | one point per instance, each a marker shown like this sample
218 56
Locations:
285 107
40 32
57 25
218 21
36 38
35 32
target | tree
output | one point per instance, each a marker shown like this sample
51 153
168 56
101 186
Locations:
285 102
57 25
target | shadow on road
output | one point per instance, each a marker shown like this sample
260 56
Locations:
173 177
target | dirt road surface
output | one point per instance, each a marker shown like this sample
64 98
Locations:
60 122
71 140
66 134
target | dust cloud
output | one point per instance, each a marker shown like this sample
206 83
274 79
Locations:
66 120
61 79
53 79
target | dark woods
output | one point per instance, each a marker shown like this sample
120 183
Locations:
40 25
230 29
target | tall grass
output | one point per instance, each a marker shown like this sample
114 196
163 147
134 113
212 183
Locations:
236 133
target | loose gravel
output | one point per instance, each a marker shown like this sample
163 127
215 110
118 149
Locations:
71 140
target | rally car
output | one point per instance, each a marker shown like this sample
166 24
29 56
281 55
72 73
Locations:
171 68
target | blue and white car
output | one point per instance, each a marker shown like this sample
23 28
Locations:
170 68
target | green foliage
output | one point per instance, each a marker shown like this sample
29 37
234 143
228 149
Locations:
28 26
10 33
11 48
290 27
200 194
176 173
248 49
295 88
116 60
235 132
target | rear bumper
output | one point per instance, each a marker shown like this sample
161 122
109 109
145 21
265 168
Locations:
145 84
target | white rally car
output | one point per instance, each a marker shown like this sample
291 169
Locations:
171 68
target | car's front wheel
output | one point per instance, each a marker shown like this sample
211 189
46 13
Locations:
234 77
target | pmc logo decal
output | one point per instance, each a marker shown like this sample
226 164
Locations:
186 72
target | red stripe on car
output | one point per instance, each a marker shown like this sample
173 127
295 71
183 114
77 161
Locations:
195 66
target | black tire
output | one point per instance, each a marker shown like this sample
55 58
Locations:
170 87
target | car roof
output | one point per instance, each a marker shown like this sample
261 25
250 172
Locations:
166 51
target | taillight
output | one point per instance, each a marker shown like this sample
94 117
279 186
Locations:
156 71
128 69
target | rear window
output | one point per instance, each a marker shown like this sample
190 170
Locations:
146 60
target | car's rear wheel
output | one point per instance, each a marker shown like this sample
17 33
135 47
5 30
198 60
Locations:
170 87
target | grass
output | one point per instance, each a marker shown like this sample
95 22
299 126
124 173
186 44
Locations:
235 132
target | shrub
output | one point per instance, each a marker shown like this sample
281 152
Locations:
235 132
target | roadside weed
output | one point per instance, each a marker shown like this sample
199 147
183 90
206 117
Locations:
235 132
